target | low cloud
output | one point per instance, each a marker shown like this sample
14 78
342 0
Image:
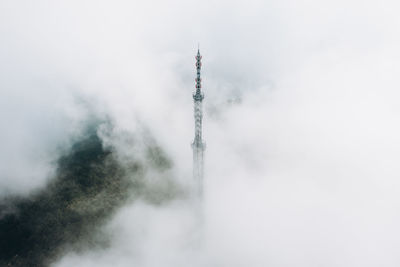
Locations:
300 123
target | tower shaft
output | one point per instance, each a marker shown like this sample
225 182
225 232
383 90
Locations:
198 146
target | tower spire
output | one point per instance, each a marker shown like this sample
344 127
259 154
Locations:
198 146
198 96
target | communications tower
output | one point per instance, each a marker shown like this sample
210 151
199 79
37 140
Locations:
198 146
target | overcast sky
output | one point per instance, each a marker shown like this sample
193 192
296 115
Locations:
301 121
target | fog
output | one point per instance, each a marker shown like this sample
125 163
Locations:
301 123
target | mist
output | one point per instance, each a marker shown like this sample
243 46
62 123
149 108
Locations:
301 125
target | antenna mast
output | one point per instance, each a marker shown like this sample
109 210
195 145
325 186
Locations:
198 146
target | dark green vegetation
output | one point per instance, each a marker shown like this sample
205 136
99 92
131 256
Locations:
88 188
